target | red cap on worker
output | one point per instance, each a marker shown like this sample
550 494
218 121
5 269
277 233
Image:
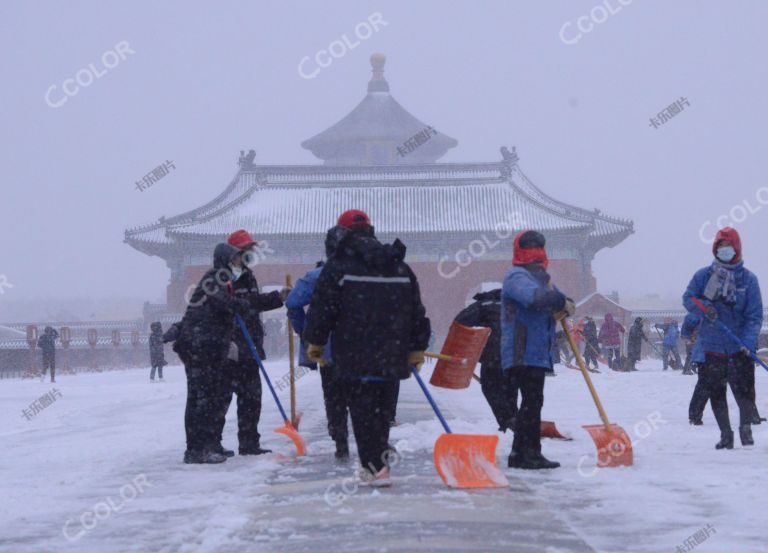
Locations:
354 218
241 239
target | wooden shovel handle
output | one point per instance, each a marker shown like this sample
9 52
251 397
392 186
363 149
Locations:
444 357
585 373
294 420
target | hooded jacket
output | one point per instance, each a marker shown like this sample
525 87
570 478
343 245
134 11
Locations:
367 301
208 324
528 303
486 311
610 331
635 340
743 316
156 353
47 343
247 288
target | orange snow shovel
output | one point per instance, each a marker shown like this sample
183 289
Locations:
464 460
295 418
287 429
548 428
461 352
614 448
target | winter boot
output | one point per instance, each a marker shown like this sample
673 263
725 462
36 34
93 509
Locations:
726 440
253 450
745 433
203 457
530 460
342 450
696 422
225 452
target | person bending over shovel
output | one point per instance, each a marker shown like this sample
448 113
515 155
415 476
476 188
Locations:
367 300
530 308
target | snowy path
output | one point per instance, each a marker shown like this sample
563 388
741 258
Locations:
112 443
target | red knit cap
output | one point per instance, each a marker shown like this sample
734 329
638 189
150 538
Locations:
241 239
353 218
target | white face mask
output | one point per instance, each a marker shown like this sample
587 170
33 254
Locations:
726 253
236 272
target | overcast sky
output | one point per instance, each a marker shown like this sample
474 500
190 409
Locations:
201 81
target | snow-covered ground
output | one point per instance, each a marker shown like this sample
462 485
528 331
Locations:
99 470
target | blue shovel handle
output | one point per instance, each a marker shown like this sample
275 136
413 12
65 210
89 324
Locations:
728 332
255 353
431 401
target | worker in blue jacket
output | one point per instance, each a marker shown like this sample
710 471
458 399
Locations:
335 387
731 294
530 309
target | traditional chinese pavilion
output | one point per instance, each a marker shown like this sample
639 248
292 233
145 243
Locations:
457 219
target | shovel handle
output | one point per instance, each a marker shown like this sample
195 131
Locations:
444 357
585 374
435 408
289 284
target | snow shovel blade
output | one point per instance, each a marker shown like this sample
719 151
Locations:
549 430
290 431
469 461
614 448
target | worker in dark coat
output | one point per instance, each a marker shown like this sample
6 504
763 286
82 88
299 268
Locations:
156 353
635 343
240 373
335 386
731 295
531 307
204 339
591 342
367 301
47 345
486 311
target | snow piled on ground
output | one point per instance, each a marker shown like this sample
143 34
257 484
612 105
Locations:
112 444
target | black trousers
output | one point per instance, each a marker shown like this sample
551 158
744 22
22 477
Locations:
49 363
530 381
370 405
241 378
590 354
699 399
203 401
336 397
739 373
394 399
501 399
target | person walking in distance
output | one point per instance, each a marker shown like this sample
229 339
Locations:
156 353
47 345
610 338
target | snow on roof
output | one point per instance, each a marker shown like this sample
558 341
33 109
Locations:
430 198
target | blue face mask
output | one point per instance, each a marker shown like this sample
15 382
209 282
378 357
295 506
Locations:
726 253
